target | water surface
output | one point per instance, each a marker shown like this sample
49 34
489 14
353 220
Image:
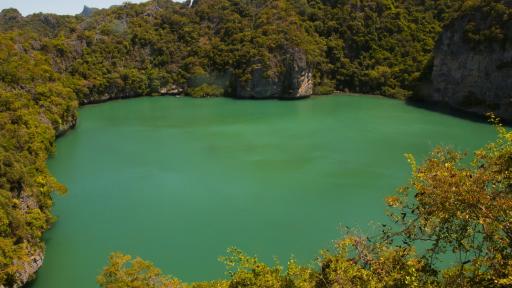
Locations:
178 180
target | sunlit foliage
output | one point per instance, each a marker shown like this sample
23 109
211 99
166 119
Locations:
123 272
49 64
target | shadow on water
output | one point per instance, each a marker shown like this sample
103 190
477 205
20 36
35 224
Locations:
452 111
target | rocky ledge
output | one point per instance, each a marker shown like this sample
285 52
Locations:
28 268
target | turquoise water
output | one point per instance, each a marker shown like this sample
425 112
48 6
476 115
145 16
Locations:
178 180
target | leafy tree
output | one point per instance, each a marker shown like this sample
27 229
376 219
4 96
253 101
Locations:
123 272
464 210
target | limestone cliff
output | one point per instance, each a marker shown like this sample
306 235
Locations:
292 82
473 63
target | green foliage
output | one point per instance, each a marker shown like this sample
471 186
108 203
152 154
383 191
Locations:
324 88
34 104
249 272
379 47
487 23
49 64
362 263
205 90
123 272
462 209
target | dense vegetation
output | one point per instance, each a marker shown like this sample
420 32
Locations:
34 104
380 47
49 64
495 17
451 207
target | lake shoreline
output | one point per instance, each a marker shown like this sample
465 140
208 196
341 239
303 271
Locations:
226 130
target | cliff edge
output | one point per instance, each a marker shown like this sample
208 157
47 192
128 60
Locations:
473 61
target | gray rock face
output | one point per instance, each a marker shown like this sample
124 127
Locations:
220 79
88 11
170 90
259 86
474 78
295 82
65 127
29 267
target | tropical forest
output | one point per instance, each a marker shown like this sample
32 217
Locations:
272 143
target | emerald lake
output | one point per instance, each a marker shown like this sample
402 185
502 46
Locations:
177 181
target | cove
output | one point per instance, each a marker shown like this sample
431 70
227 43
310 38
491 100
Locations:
177 181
